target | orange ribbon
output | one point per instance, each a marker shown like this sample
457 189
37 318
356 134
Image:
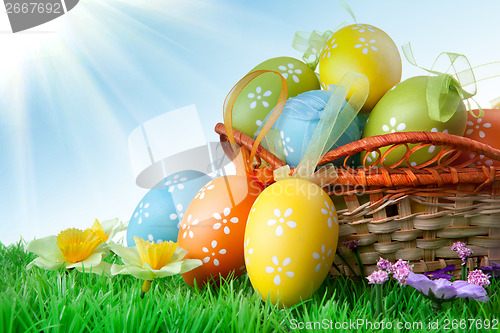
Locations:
228 114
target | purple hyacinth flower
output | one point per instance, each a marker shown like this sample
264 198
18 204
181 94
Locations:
463 252
352 244
402 270
385 265
479 278
493 270
378 277
442 289
441 273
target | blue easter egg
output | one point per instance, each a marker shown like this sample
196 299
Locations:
183 186
154 218
299 119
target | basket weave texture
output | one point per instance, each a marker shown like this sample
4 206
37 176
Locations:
412 212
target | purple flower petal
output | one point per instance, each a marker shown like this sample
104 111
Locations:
441 273
443 289
467 290
420 282
491 269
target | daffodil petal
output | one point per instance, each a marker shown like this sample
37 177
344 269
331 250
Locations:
178 254
190 264
102 267
45 264
135 271
129 255
108 225
46 248
118 269
169 270
112 227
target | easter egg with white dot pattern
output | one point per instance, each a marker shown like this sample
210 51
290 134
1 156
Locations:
154 219
183 186
483 130
404 109
213 227
290 241
364 49
260 96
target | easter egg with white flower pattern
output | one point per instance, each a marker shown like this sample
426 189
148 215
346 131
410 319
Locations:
290 241
364 49
298 121
404 109
154 219
484 130
260 96
213 227
183 186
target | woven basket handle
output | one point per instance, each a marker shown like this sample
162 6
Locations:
373 143
452 142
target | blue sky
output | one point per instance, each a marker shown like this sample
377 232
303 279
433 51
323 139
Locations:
72 90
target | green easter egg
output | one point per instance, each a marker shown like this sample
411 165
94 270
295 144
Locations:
260 96
404 109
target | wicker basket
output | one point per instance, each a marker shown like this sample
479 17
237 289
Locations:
414 213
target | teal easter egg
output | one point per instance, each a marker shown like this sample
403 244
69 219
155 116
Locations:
298 121
260 96
404 109
154 219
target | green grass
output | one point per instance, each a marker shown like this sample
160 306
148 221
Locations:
38 300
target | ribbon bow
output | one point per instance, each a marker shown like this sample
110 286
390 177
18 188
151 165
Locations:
441 105
311 43
333 122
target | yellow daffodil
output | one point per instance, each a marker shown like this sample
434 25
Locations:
148 261
72 248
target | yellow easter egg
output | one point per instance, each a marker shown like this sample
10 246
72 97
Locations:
290 241
364 49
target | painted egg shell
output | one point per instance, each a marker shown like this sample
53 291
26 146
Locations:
482 130
362 49
154 219
184 185
290 241
404 109
260 96
299 119
214 225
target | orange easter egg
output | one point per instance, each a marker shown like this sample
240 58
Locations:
485 130
213 227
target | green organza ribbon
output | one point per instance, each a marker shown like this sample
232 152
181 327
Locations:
334 121
441 105
311 43
273 143
348 9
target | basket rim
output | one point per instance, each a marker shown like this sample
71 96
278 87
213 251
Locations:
373 143
384 177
